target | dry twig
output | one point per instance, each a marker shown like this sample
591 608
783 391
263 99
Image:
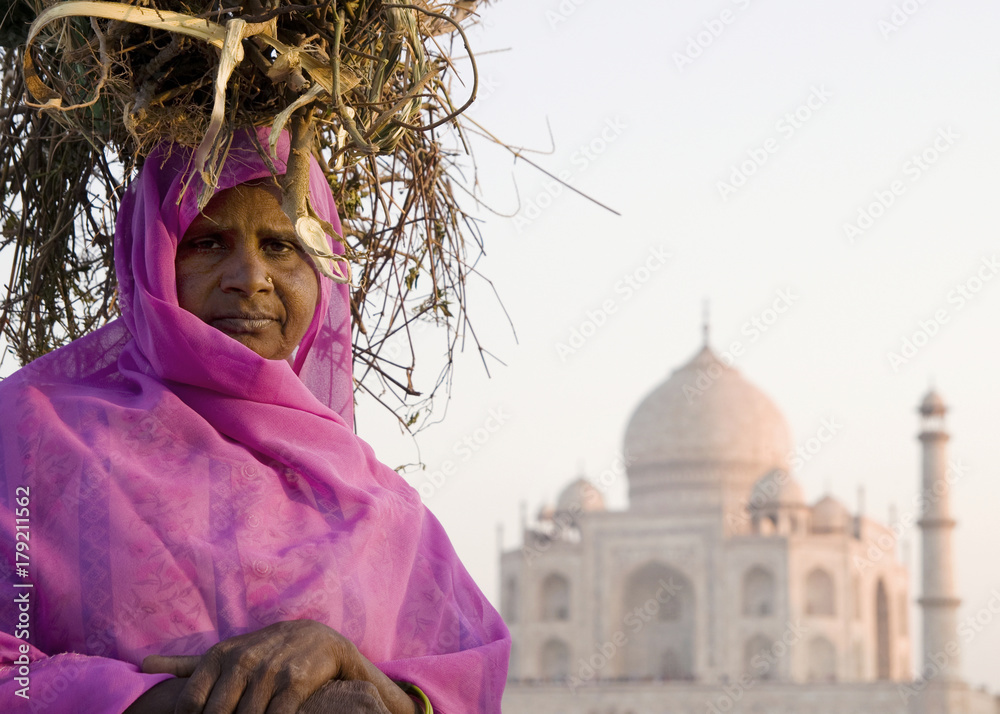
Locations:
367 79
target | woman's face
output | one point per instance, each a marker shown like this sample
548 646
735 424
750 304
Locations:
241 270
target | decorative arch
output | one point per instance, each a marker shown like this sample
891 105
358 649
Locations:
508 604
858 665
883 633
822 660
514 665
903 615
759 660
659 607
555 597
671 666
555 660
758 592
820 594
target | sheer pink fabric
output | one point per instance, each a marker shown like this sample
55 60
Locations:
182 490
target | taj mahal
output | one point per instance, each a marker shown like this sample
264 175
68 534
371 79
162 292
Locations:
720 589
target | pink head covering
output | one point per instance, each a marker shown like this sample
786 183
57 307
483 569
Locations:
184 489
152 220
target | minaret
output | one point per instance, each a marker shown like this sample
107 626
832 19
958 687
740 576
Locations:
941 660
705 323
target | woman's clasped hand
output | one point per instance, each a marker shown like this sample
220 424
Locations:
296 666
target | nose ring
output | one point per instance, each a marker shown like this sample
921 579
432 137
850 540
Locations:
270 279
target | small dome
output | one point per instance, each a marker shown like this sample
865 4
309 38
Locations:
706 412
546 513
777 488
830 516
580 497
933 404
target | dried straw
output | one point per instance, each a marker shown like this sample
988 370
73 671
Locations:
362 84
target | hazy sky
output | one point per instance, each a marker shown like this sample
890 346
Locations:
838 158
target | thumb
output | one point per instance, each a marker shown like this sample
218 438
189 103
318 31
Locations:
182 666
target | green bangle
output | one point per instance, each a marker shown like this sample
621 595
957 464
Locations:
414 691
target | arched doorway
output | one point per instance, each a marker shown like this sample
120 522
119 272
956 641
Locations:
759 658
883 642
820 595
822 660
555 598
659 619
555 660
758 592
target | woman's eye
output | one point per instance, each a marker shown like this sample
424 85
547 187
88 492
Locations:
204 243
281 246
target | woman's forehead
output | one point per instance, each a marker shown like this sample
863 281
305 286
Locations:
247 206
271 183
188 210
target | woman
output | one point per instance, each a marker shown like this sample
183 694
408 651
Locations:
195 495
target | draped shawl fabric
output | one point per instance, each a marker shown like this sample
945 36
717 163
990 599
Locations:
182 489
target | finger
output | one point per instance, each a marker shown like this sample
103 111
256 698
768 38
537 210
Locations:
353 696
287 701
256 696
200 684
180 666
236 682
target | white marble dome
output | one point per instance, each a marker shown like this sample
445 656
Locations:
830 516
706 412
777 488
580 497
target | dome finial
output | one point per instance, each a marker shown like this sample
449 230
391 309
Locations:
933 405
705 321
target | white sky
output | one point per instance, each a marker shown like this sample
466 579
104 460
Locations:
661 138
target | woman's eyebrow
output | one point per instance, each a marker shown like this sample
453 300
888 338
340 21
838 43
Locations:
202 219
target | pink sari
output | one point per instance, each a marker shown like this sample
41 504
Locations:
172 488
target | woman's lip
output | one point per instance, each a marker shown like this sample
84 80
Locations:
242 325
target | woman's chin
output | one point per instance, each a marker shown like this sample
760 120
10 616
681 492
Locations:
264 345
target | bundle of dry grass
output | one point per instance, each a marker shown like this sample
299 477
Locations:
365 85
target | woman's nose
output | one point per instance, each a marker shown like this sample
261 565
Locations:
245 271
